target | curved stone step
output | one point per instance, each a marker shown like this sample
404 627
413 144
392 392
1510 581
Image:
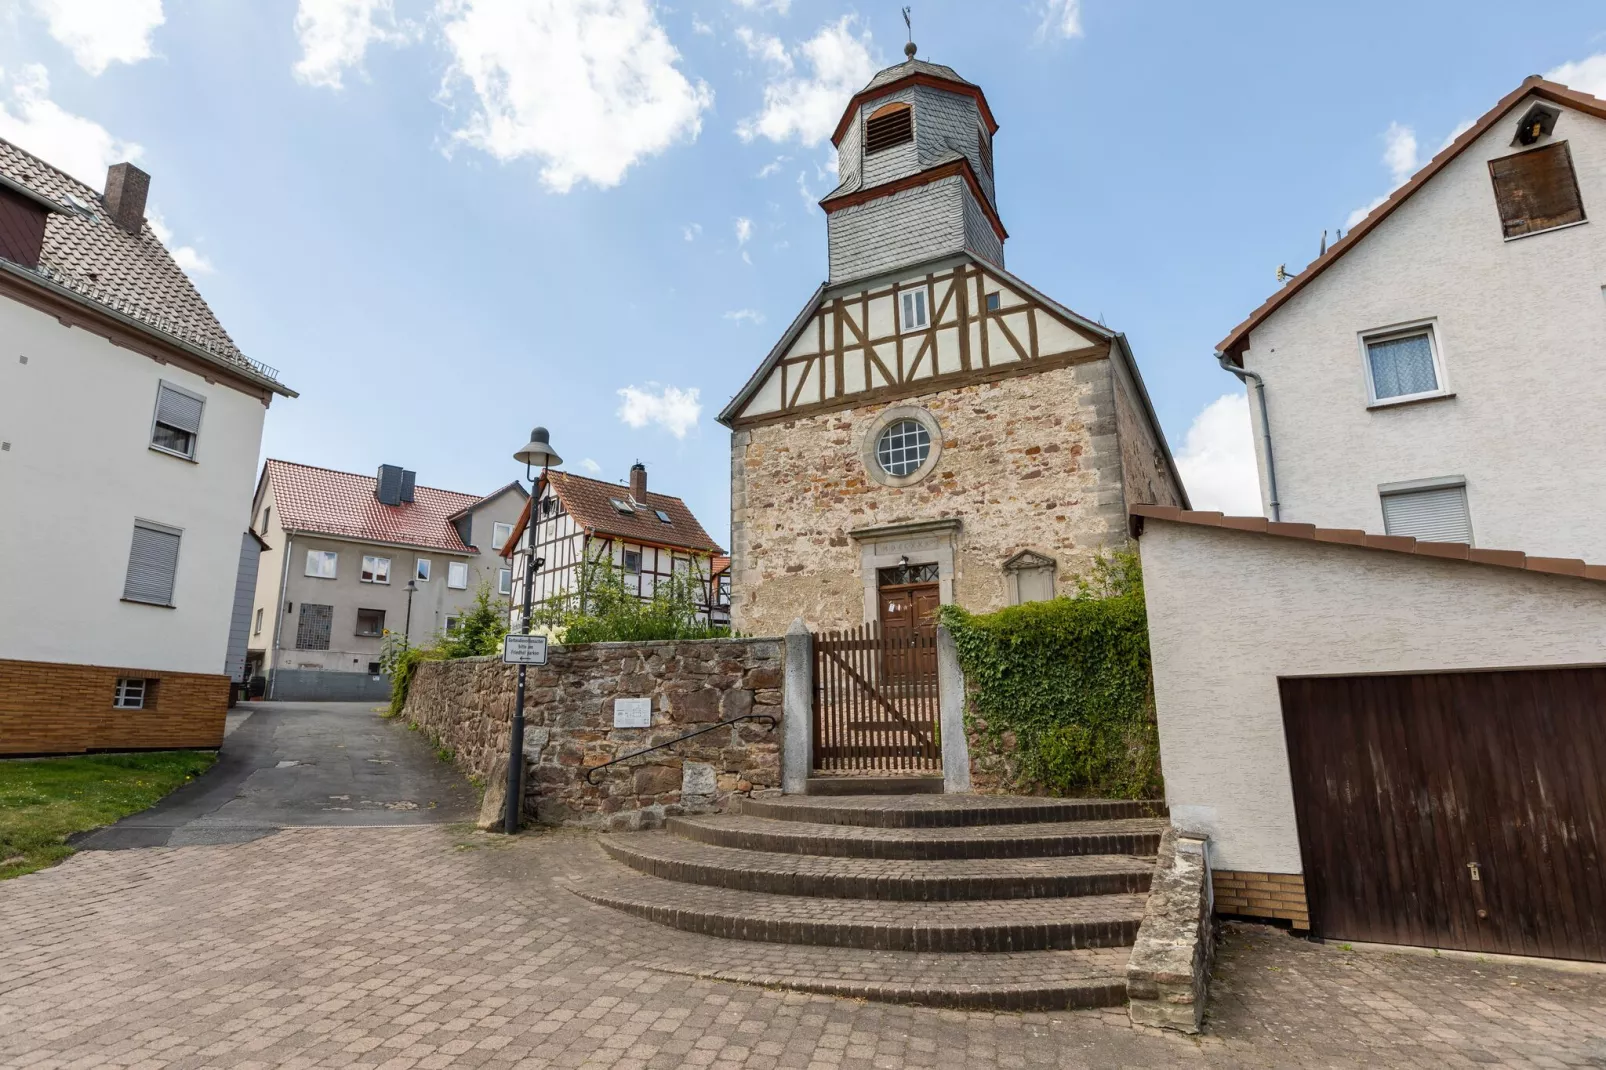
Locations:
942 811
1008 981
1125 836
985 925
689 861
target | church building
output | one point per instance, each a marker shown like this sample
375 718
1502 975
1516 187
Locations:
930 428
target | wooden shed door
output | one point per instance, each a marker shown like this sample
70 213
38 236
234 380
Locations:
1458 810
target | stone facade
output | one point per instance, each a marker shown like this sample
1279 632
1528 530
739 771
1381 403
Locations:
467 706
1028 463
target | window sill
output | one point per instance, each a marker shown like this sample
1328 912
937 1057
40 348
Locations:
1416 399
1547 230
172 453
142 602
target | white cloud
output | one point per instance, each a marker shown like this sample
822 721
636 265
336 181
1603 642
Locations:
1460 128
670 407
1585 75
588 88
772 167
187 257
691 231
335 35
780 7
1217 460
1399 152
99 33
1061 18
699 26
591 466
807 108
745 315
81 147
744 230
766 47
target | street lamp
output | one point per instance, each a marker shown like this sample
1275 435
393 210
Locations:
537 453
407 629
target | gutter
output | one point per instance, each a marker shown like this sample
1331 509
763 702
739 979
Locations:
1265 426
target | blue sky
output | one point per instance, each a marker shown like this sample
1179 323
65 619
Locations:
445 221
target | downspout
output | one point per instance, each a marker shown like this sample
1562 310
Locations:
1246 376
280 614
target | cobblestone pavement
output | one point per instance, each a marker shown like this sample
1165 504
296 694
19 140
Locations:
441 947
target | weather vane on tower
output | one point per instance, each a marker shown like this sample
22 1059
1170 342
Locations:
909 49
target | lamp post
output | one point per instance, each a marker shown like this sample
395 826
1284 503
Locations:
407 629
537 453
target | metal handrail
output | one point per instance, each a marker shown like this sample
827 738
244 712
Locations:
681 739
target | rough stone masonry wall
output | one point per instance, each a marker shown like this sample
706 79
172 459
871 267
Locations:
467 706
1028 463
1168 975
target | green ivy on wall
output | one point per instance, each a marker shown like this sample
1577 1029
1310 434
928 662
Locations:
1061 692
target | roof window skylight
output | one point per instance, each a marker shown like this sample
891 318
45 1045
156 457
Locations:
622 506
663 516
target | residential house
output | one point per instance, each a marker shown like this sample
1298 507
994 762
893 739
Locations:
931 428
645 535
130 424
1382 701
357 559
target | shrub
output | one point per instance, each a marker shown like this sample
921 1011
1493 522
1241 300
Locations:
479 633
1069 679
605 610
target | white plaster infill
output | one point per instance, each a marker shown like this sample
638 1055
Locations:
921 542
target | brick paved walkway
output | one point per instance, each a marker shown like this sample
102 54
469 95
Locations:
436 947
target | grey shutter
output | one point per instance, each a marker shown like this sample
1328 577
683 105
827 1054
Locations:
152 564
175 408
1437 514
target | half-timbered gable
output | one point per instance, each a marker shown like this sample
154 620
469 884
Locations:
930 428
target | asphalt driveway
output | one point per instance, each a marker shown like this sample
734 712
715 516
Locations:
301 765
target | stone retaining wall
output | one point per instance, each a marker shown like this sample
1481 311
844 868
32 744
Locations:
1168 975
467 706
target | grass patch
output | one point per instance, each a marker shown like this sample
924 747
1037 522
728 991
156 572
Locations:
45 800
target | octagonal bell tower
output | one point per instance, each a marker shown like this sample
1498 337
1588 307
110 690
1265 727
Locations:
915 155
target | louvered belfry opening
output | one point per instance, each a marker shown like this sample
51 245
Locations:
1536 190
889 126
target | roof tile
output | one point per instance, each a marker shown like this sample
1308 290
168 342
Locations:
587 500
325 502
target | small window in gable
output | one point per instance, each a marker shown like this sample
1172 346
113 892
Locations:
912 310
1536 190
994 301
890 125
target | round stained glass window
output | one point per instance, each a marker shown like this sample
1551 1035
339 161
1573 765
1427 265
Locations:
902 448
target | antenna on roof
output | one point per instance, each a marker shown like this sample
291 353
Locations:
1324 243
909 49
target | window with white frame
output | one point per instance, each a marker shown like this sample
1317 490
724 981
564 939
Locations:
421 570
500 534
504 581
1430 510
452 624
1403 364
321 564
130 694
912 310
375 569
152 564
457 575
632 560
177 423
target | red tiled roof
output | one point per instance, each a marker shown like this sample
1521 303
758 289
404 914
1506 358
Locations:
1402 544
587 500
325 502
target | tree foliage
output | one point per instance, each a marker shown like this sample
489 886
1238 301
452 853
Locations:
1070 681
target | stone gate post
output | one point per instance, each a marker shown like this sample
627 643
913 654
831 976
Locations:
797 710
951 712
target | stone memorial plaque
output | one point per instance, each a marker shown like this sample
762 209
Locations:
632 713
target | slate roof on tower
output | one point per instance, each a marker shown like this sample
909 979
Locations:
96 262
322 501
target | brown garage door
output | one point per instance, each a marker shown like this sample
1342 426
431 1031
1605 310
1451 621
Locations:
1457 810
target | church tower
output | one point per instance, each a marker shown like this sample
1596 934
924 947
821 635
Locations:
915 155
930 429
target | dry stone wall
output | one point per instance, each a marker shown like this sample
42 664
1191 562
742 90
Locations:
467 706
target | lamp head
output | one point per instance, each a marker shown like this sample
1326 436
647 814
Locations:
538 453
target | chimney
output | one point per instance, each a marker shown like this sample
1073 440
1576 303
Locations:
388 485
126 188
638 482
408 480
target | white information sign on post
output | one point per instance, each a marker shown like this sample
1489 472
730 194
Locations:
524 650
632 713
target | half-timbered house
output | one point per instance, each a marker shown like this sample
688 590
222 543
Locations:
645 536
930 428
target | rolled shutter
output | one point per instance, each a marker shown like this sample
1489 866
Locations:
178 409
152 564
1438 514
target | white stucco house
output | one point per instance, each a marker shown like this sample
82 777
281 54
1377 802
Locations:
130 424
1382 702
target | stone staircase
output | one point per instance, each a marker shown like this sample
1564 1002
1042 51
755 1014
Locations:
970 901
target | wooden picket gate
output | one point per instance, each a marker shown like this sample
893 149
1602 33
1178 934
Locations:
875 700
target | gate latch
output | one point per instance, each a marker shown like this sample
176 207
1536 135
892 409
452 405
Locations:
1473 866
